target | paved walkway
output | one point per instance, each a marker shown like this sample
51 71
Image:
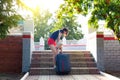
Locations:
67 77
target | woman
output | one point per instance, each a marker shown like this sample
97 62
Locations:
55 38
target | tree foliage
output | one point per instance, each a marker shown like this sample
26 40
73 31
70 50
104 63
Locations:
68 20
42 27
108 10
71 24
8 16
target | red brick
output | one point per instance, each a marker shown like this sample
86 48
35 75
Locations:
11 54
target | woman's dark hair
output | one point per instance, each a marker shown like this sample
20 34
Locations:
65 29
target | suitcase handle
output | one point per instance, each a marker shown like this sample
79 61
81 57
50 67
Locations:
60 53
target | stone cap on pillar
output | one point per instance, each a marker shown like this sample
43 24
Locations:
100 35
27 34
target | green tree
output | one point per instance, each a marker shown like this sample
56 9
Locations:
71 24
68 20
42 26
9 15
108 10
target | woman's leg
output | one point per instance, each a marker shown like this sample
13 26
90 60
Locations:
54 51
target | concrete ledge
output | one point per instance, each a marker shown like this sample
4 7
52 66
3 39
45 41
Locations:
25 76
110 76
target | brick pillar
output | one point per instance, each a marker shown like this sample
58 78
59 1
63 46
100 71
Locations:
27 51
95 44
100 50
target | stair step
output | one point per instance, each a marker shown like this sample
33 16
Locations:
65 51
39 55
73 64
42 64
46 57
82 62
50 71
82 59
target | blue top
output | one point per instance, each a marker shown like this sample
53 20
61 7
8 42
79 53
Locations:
55 35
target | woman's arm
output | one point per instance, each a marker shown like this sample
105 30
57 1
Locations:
59 36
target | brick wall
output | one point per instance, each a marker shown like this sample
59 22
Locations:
111 54
106 51
11 54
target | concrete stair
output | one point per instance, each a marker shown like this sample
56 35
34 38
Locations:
82 62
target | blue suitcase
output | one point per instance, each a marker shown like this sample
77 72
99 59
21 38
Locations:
62 64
